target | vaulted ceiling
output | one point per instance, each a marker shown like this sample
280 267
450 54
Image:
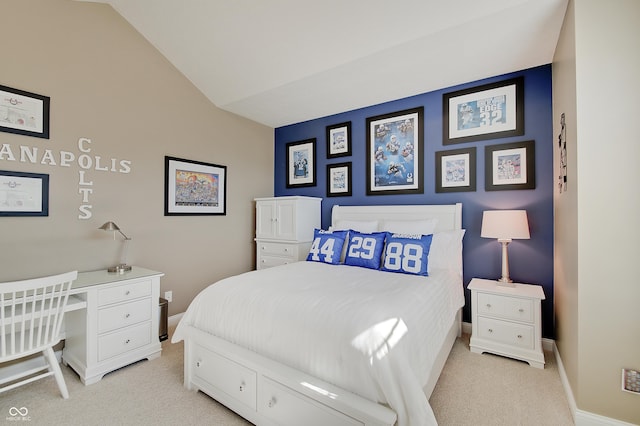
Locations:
280 62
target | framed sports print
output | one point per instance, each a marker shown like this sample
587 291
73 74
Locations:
24 194
24 113
339 140
395 153
510 166
194 188
339 180
456 170
301 163
490 111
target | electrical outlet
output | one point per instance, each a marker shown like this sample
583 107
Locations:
169 296
631 381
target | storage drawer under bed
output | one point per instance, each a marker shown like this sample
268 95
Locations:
236 380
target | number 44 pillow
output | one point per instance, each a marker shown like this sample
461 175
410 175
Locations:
407 254
327 246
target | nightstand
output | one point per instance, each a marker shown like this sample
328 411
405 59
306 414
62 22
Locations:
507 320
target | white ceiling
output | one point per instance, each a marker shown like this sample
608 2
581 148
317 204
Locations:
280 62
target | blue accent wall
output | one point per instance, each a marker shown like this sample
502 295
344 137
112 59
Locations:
530 261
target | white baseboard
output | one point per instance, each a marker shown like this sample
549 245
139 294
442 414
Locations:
581 417
173 320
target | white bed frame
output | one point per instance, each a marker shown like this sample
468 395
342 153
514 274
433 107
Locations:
269 393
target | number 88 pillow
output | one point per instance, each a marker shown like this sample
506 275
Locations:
326 246
407 254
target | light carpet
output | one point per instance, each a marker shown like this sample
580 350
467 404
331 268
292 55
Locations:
472 390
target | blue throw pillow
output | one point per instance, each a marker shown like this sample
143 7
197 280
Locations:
365 250
407 253
327 246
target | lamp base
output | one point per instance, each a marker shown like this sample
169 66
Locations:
119 269
505 282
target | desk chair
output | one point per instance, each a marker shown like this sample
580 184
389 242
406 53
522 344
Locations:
31 313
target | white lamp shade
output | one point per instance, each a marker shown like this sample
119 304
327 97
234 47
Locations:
505 224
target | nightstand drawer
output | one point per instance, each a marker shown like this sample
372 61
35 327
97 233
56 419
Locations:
519 335
123 315
514 308
278 249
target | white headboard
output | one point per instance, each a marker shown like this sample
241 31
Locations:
449 216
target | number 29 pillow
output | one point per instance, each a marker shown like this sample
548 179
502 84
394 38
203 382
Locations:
365 250
327 246
407 254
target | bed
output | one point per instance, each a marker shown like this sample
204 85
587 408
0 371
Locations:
332 344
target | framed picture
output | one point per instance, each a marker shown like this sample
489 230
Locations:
456 170
24 113
490 111
339 140
194 188
24 194
301 163
510 166
339 180
394 153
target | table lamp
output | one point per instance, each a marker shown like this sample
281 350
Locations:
122 267
505 225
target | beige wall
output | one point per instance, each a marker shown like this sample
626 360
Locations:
596 287
108 84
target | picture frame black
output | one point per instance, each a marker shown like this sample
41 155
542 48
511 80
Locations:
339 140
24 113
24 194
194 188
301 163
489 111
395 153
456 170
339 180
510 166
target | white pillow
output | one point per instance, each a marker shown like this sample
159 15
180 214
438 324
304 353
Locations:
446 251
365 226
422 227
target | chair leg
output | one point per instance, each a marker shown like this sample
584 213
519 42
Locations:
55 368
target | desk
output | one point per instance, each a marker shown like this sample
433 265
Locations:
111 321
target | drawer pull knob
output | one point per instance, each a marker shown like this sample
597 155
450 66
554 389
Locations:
519 336
127 315
520 310
272 402
488 305
198 363
126 293
127 341
490 330
242 387
286 249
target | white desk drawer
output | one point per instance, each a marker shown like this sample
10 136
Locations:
122 293
286 407
112 344
234 379
514 308
519 335
123 315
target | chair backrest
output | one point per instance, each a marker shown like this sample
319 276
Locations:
31 313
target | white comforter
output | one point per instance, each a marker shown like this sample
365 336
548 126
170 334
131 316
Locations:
373 333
